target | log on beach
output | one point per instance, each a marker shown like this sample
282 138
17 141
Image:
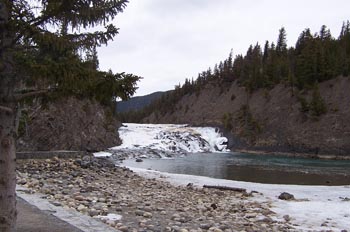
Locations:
241 190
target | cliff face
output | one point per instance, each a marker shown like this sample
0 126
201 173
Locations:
273 120
68 124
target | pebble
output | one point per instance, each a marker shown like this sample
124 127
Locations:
139 213
148 215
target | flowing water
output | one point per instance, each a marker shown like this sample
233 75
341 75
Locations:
254 168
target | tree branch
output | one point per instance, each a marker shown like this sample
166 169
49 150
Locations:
6 109
18 97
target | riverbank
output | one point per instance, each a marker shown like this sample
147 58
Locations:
128 202
296 154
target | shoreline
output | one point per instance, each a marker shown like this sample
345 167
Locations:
295 155
148 200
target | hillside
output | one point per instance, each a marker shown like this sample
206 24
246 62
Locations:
274 98
67 124
137 103
273 120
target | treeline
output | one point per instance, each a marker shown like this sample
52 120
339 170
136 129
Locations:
314 58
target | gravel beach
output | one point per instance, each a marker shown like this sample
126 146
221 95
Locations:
129 202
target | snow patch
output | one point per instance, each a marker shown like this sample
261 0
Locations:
102 154
110 217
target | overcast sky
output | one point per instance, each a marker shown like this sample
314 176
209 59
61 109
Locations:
166 41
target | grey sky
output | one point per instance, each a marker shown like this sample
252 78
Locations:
166 41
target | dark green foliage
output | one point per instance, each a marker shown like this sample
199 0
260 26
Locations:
304 106
23 122
227 121
54 48
316 107
249 125
317 104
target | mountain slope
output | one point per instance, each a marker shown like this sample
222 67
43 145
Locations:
137 103
270 120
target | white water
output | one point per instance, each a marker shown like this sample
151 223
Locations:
170 138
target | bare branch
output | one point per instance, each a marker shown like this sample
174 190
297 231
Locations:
6 109
18 97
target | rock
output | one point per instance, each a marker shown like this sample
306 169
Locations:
287 218
214 206
81 208
148 215
286 196
204 226
22 181
93 212
139 212
324 224
250 215
214 229
110 223
79 198
138 160
56 203
123 228
175 216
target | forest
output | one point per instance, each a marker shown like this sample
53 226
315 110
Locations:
314 58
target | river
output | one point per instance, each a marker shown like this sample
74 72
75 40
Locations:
253 168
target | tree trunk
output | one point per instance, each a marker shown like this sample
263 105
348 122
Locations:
7 173
7 125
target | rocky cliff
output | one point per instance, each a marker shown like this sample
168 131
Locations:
68 124
270 120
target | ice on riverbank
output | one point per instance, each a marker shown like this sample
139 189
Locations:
102 154
170 138
316 208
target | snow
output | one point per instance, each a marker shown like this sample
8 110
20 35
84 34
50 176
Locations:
110 217
102 154
170 138
314 205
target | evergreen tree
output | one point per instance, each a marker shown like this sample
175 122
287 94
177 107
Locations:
266 52
281 46
344 50
306 60
42 45
317 104
282 55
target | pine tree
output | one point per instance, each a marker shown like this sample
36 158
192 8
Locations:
317 104
42 44
306 60
344 50
281 46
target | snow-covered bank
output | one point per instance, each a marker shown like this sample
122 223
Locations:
316 208
170 138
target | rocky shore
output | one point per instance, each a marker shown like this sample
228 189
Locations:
129 202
